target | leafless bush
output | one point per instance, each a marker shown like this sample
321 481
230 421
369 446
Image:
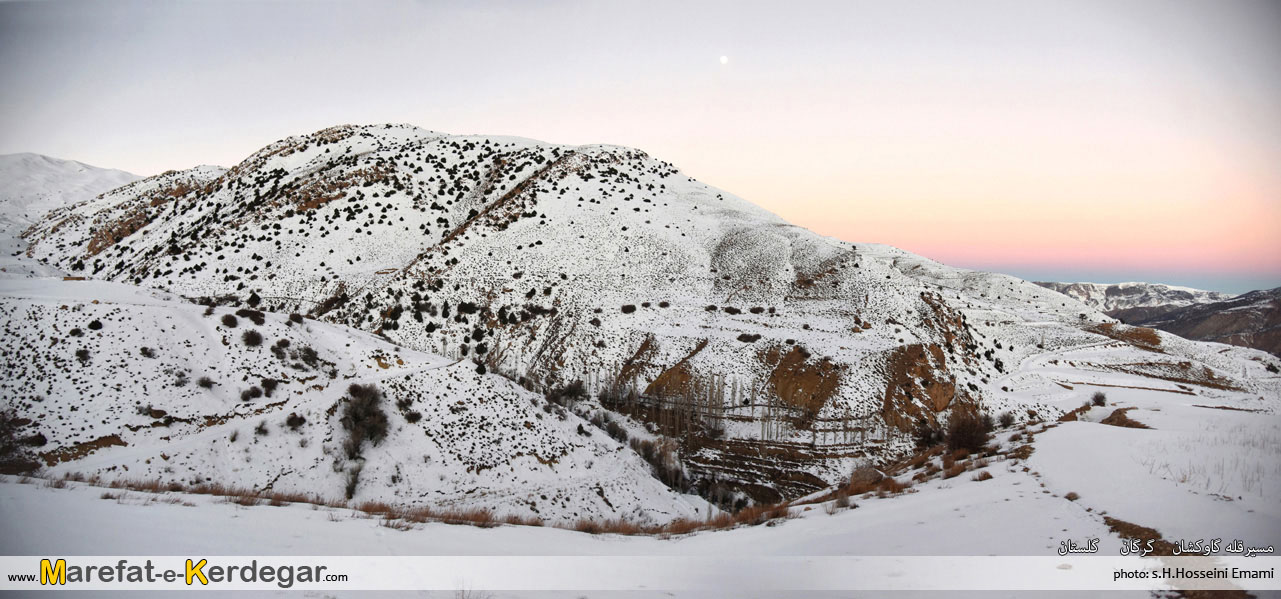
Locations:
967 430
363 418
15 458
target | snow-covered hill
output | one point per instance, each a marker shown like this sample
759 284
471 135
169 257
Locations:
122 382
31 185
779 358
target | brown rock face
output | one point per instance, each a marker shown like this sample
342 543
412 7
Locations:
800 382
109 233
949 323
919 386
677 380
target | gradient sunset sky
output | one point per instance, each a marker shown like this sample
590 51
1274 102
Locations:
1102 141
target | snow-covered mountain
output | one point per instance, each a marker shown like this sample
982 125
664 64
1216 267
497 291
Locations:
1135 301
778 358
32 184
1250 320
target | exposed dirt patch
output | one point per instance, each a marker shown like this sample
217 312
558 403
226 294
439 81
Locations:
1162 547
949 323
1074 415
384 363
338 298
1143 534
1022 452
216 419
1229 408
639 359
321 189
80 450
811 283
1140 337
1118 418
169 194
108 231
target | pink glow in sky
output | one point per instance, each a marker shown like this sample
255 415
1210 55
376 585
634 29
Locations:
1119 140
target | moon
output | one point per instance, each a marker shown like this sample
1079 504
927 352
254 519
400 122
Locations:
724 60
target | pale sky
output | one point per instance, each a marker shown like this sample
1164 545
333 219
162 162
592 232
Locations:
1091 140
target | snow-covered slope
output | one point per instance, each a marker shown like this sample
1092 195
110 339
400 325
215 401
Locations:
779 358
1204 469
127 383
31 185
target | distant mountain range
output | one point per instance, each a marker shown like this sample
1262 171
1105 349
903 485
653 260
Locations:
1135 301
1250 320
